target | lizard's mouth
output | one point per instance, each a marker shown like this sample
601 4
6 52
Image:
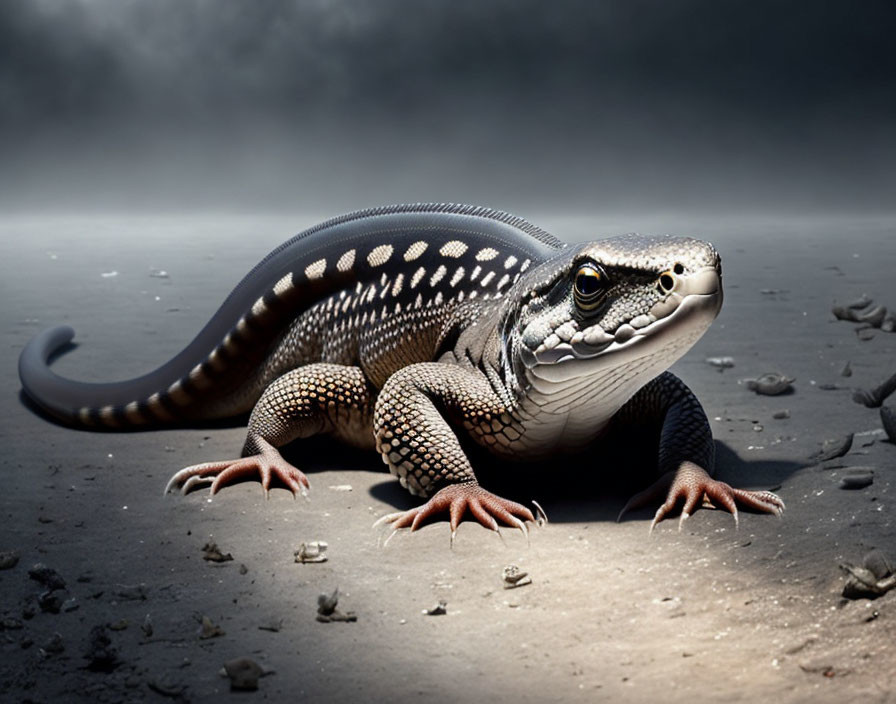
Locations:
659 336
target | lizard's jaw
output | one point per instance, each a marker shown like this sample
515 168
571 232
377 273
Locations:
642 348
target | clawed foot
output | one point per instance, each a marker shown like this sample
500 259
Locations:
265 465
456 499
694 486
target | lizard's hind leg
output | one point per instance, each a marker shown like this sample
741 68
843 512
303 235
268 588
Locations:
314 399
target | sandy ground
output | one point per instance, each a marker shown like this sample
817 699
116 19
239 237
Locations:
710 613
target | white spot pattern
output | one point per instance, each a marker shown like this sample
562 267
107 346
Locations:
316 269
453 249
419 274
440 273
509 262
283 285
346 261
380 255
415 250
486 254
485 279
458 275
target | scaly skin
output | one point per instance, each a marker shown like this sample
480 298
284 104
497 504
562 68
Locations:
405 328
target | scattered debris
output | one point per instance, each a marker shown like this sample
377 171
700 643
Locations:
439 609
833 448
9 559
211 553
109 274
846 371
207 629
158 273
147 626
857 478
340 487
888 420
327 611
720 362
130 592
46 576
274 626
101 655
873 579
514 577
54 645
781 415
771 384
243 674
313 551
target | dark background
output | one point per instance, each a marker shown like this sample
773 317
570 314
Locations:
698 105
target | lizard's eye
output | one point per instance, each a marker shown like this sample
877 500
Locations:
590 283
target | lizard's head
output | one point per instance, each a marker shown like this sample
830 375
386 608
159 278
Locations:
631 303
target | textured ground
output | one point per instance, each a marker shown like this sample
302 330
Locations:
712 612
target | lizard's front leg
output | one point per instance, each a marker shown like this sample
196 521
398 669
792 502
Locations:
421 448
313 399
686 454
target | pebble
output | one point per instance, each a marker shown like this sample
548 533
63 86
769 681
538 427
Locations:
313 551
101 654
514 577
857 479
8 559
833 448
50 578
207 629
439 609
781 415
771 384
243 674
211 553
720 362
846 371
327 611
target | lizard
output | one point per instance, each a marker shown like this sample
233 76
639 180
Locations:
409 329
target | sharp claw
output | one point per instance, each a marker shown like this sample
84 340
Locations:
684 516
388 518
541 516
453 534
389 537
736 519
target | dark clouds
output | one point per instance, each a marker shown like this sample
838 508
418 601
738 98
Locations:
193 103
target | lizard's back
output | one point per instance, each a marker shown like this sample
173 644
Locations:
373 288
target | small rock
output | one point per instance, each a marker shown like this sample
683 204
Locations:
243 674
8 559
771 384
865 334
101 655
50 578
327 611
147 626
781 415
514 577
313 551
51 601
439 609
158 274
211 553
340 487
857 480
130 592
833 448
207 629
54 645
720 362
846 371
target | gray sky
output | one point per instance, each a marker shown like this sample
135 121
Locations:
329 105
